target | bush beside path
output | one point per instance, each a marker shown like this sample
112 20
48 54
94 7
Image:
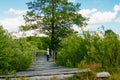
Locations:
44 70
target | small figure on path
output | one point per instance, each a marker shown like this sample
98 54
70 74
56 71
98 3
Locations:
47 55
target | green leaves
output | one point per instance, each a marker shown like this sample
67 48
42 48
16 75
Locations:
15 55
90 48
53 18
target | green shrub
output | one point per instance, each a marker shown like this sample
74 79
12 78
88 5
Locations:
83 76
90 48
15 55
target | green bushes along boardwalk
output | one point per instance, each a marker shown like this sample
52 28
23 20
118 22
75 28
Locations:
90 47
15 54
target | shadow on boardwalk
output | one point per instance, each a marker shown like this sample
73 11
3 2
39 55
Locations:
42 69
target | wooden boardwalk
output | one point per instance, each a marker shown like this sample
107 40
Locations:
44 70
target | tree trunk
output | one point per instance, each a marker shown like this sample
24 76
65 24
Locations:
53 32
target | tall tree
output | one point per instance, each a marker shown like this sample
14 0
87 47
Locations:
54 18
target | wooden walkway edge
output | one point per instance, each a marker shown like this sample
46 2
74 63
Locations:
43 70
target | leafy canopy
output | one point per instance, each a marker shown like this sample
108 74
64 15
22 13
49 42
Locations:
53 18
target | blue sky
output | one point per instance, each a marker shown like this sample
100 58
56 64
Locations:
100 12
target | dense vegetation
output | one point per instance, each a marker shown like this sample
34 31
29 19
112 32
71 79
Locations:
90 48
42 43
84 50
55 19
15 54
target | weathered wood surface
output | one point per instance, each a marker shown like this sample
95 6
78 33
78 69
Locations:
43 70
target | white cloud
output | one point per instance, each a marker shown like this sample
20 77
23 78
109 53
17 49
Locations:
87 12
26 33
97 17
102 17
11 24
117 8
15 11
